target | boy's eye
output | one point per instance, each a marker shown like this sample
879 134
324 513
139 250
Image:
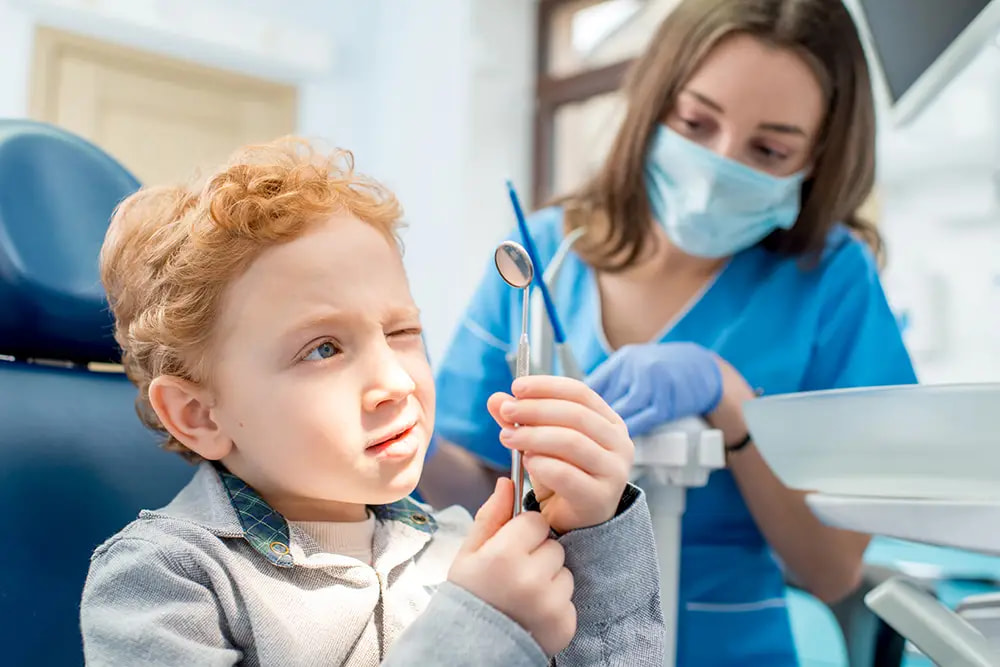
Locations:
322 351
413 331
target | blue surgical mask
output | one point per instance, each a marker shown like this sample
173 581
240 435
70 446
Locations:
711 206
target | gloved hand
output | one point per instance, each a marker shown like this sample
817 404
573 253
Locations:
652 384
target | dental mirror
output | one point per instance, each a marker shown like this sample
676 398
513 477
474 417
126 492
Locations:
515 267
514 264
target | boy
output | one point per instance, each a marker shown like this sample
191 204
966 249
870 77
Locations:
267 321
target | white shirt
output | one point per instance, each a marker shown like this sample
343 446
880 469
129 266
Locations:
352 539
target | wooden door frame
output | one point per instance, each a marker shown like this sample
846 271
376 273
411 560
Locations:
51 43
552 92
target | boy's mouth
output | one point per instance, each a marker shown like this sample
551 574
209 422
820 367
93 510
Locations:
397 443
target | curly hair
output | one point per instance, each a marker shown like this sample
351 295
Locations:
171 251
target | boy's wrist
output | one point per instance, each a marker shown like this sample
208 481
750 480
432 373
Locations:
627 541
628 497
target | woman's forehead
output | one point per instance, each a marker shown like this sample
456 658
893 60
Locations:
745 76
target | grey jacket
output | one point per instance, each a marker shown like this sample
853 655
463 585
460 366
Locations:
219 578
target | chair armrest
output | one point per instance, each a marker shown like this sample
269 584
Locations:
983 613
931 626
870 641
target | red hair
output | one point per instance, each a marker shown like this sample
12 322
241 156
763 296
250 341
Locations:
171 251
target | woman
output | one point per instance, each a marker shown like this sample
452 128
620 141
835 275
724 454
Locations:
720 256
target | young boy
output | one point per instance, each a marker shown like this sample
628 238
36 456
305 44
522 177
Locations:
267 321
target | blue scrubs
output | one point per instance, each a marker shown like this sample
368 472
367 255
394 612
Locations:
785 328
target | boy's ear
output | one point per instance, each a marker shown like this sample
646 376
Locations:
185 410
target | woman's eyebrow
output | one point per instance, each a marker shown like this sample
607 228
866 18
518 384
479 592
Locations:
704 99
772 126
783 128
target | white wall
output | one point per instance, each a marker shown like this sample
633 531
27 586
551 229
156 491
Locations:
942 221
440 96
448 119
15 53
434 97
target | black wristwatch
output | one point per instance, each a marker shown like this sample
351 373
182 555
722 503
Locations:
739 445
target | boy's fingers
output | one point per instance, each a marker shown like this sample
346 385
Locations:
565 414
491 517
562 443
495 404
568 389
523 534
564 479
564 584
548 559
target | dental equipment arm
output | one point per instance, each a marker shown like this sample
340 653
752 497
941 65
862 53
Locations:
668 461
941 634
545 348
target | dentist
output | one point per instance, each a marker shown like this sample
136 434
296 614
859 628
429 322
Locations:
721 254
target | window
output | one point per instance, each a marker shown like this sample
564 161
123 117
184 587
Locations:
581 35
584 49
582 133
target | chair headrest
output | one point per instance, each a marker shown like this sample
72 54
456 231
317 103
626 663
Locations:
57 194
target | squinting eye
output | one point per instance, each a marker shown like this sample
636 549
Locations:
416 331
322 351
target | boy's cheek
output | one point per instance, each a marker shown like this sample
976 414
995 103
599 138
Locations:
423 379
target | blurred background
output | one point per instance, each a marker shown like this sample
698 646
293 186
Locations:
443 100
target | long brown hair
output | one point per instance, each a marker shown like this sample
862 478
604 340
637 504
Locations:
613 206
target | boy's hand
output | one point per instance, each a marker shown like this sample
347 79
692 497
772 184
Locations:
576 448
517 568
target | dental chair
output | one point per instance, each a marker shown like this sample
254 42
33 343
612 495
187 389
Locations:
915 463
75 463
869 641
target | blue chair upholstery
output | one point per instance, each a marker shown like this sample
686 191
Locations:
75 463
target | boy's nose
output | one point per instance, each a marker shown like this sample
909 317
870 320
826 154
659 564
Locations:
390 382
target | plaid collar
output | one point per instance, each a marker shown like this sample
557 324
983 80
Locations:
267 531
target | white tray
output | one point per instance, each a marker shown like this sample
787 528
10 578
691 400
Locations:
918 441
963 524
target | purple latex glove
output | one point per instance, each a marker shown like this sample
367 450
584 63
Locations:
650 385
